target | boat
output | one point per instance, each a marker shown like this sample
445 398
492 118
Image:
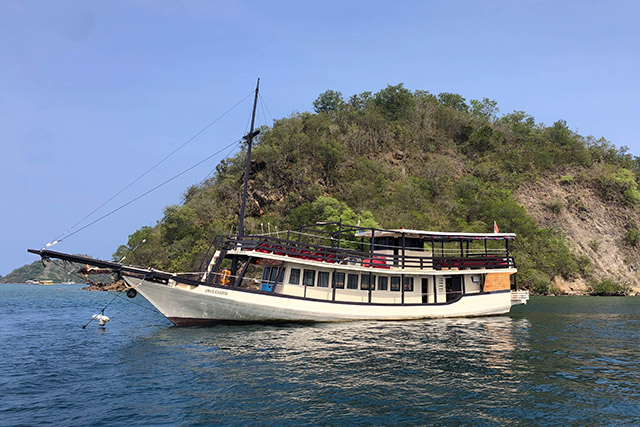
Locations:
329 272
45 282
319 274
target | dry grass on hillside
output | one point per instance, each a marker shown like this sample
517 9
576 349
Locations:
592 227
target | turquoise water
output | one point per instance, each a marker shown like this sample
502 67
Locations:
557 361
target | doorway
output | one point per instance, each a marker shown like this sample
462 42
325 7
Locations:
425 290
453 287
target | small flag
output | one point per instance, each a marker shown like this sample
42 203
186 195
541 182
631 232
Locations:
495 227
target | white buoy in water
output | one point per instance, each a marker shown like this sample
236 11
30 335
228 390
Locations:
102 319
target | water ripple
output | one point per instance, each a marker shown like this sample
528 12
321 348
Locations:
558 361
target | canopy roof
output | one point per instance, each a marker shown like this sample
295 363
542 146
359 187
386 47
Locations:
435 235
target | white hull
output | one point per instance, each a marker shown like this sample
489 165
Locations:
193 305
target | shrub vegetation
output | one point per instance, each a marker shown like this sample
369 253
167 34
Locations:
609 287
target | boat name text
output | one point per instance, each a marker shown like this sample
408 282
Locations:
216 291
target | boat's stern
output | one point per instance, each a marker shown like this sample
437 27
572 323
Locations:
519 297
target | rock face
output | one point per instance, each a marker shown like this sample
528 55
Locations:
591 226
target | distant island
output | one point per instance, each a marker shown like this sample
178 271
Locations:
55 272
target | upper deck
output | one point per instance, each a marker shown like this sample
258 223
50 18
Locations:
334 243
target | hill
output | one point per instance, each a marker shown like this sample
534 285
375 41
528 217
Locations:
397 158
55 271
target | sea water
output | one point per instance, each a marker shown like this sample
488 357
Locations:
556 361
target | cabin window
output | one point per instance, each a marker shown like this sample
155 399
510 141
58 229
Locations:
383 283
266 273
408 284
395 283
338 280
274 275
294 276
352 281
413 243
323 279
309 277
383 243
364 282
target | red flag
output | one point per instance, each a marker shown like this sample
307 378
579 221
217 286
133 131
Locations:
495 227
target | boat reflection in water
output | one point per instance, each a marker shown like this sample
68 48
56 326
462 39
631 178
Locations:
346 368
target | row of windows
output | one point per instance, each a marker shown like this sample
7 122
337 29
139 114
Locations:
270 274
366 281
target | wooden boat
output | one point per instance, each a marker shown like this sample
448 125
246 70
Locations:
319 274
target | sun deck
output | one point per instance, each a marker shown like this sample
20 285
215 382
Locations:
380 249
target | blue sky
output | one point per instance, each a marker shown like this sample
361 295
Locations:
92 94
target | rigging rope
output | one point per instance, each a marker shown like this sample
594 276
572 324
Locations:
264 104
164 218
143 194
214 169
64 235
56 264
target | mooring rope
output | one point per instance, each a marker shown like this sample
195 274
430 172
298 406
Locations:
103 309
117 295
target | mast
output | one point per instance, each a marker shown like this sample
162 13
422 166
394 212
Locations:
249 138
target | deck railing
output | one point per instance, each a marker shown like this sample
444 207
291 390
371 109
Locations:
373 259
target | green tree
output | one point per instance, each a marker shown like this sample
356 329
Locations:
395 102
329 209
486 109
360 102
135 240
482 140
328 101
454 101
628 185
